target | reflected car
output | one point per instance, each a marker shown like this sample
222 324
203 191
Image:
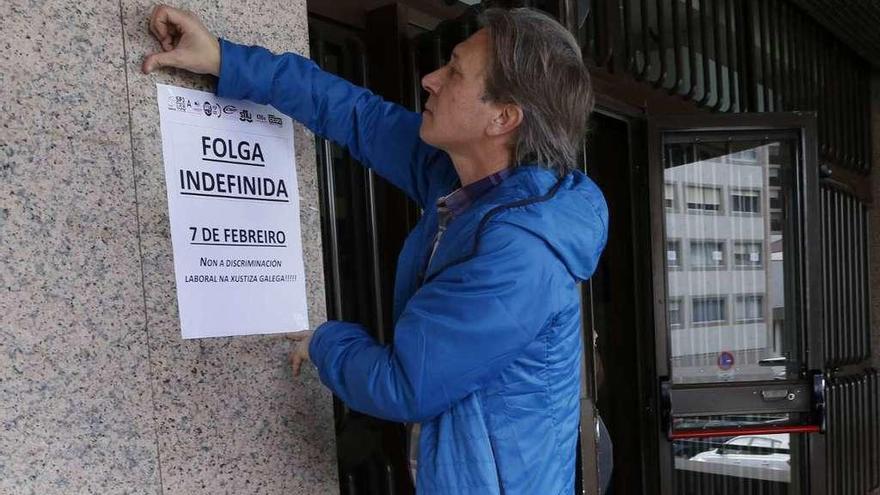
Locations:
767 452
689 447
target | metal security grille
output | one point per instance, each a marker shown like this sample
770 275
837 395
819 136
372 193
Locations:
739 56
853 439
845 278
353 221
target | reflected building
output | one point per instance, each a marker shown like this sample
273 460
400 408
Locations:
724 214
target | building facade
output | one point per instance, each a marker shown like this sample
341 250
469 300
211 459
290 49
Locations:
731 309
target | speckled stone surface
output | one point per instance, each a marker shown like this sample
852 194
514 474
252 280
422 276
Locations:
76 413
98 392
875 220
230 417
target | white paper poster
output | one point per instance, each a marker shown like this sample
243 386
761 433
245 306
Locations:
233 204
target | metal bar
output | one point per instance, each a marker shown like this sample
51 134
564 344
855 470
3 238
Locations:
628 51
335 264
840 98
833 282
437 49
855 453
826 272
836 89
864 270
375 258
824 202
821 99
373 219
730 432
866 122
646 35
873 393
606 34
870 430
813 60
778 68
855 278
330 201
848 424
861 271
845 437
824 91
864 125
854 302
787 74
717 52
804 78
864 453
692 50
746 86
840 436
830 70
853 119
730 25
846 260
390 482
842 329
775 57
858 104
831 436
351 484
678 77
704 48
806 56
595 27
845 123
765 56
661 46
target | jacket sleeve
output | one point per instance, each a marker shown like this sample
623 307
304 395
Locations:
456 333
381 135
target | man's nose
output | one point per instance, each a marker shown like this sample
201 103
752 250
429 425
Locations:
431 82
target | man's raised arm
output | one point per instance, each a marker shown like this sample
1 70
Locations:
381 135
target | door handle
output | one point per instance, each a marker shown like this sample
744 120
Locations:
806 398
778 394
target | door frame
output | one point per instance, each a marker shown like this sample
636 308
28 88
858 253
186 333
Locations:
808 264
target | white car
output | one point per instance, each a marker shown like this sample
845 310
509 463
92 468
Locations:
765 452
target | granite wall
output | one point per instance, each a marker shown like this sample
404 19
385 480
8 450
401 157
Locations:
98 392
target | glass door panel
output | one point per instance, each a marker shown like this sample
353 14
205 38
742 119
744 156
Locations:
733 199
724 237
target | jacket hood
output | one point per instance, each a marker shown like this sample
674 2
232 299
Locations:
569 214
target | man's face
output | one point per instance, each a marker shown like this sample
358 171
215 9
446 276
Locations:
455 116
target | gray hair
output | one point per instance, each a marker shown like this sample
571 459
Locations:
536 64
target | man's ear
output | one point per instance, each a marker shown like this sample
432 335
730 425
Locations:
507 121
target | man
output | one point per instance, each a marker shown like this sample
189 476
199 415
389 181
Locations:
485 360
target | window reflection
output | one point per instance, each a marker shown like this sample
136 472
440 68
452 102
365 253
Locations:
725 215
765 456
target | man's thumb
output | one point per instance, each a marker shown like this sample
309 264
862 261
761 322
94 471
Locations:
157 60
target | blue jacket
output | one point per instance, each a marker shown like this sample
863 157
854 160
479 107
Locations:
486 352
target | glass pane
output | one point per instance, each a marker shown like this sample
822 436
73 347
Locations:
738 463
724 261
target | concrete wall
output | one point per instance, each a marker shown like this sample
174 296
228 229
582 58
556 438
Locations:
98 392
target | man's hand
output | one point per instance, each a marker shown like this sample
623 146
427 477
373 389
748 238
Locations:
186 43
300 353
